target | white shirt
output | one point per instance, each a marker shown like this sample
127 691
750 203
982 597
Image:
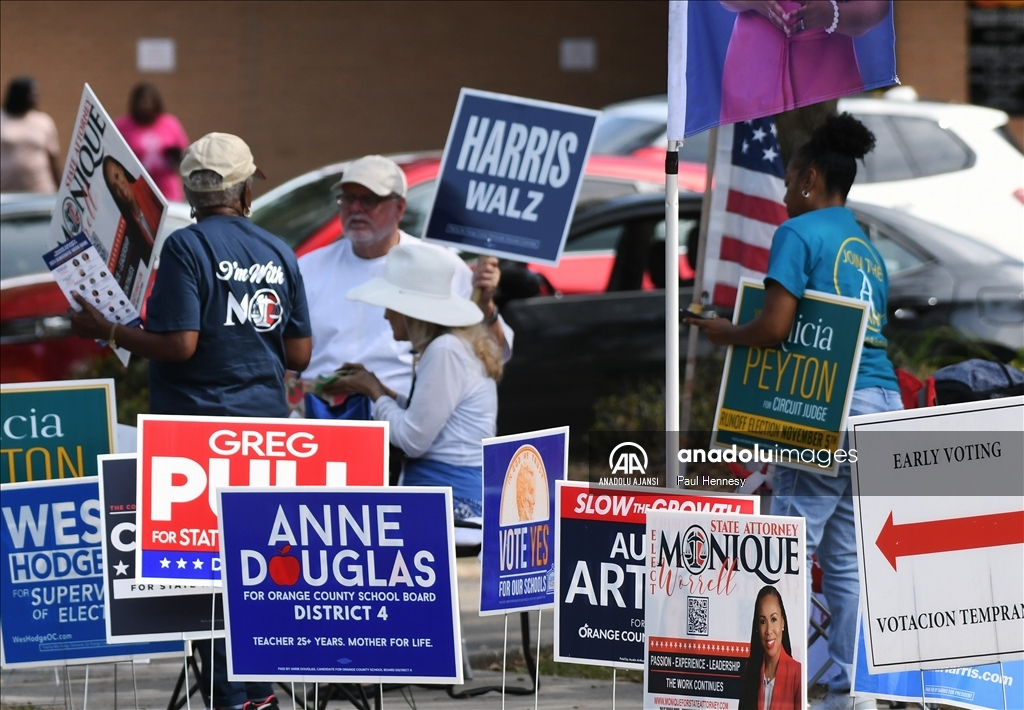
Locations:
352 331
455 405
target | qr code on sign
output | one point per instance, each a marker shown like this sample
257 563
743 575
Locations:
696 616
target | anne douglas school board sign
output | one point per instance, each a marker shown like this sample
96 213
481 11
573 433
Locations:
183 460
510 174
349 586
599 582
725 598
788 404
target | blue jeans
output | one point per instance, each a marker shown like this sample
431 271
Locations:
226 694
827 505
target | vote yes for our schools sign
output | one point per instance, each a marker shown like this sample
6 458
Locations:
517 566
354 586
788 404
183 460
726 596
510 175
55 429
600 566
136 609
51 568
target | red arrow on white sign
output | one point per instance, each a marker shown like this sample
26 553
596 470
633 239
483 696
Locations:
931 536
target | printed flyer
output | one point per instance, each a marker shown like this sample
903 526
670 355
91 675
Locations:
726 600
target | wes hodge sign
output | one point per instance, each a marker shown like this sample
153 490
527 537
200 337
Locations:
184 460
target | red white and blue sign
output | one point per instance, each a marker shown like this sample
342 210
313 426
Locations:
51 569
510 174
729 64
517 567
352 586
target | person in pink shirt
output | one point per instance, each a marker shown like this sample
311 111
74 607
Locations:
156 137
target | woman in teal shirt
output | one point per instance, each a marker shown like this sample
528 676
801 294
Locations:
822 248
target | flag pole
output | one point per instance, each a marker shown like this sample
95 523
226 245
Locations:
698 288
672 312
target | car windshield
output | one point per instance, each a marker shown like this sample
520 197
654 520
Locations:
295 216
624 135
22 245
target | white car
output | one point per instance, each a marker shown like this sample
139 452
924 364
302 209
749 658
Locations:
950 164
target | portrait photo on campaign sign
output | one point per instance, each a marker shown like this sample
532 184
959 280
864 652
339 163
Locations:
517 566
600 572
183 459
141 610
734 61
55 429
726 607
510 175
355 585
51 569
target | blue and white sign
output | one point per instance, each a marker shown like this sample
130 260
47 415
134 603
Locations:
510 175
355 585
517 570
994 686
51 568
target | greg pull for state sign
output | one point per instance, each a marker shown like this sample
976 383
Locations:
183 460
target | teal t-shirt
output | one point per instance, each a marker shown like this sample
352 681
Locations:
826 250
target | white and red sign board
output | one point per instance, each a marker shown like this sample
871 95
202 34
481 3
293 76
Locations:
184 460
940 534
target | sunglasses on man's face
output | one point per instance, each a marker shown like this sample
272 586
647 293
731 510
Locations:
370 202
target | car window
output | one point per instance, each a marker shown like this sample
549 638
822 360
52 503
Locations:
594 191
601 239
930 148
417 203
23 245
295 216
622 135
897 257
886 162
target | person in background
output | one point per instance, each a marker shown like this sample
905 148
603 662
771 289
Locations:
29 151
820 248
454 399
208 356
156 137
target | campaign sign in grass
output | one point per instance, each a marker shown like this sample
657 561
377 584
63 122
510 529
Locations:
726 599
510 174
51 568
353 586
54 430
788 404
517 567
140 610
599 582
183 460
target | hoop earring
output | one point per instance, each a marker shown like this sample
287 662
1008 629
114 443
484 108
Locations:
806 194
247 211
192 213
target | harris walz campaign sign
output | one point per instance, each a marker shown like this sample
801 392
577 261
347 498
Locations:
51 568
510 174
351 586
183 460
725 603
599 584
788 404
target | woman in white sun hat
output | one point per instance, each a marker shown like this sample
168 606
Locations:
454 399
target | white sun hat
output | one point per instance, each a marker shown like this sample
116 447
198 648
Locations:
417 282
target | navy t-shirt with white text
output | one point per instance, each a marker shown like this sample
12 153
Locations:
240 287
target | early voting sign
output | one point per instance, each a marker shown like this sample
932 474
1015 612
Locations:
728 66
788 404
140 610
726 598
939 494
517 569
55 430
51 568
600 572
510 174
354 586
183 460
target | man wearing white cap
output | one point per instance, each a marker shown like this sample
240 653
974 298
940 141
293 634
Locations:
227 315
371 197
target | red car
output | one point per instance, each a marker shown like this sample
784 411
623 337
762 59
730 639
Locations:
303 212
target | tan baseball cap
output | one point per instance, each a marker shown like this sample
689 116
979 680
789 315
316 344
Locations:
222 153
378 174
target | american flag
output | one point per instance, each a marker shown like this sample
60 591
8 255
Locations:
746 207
